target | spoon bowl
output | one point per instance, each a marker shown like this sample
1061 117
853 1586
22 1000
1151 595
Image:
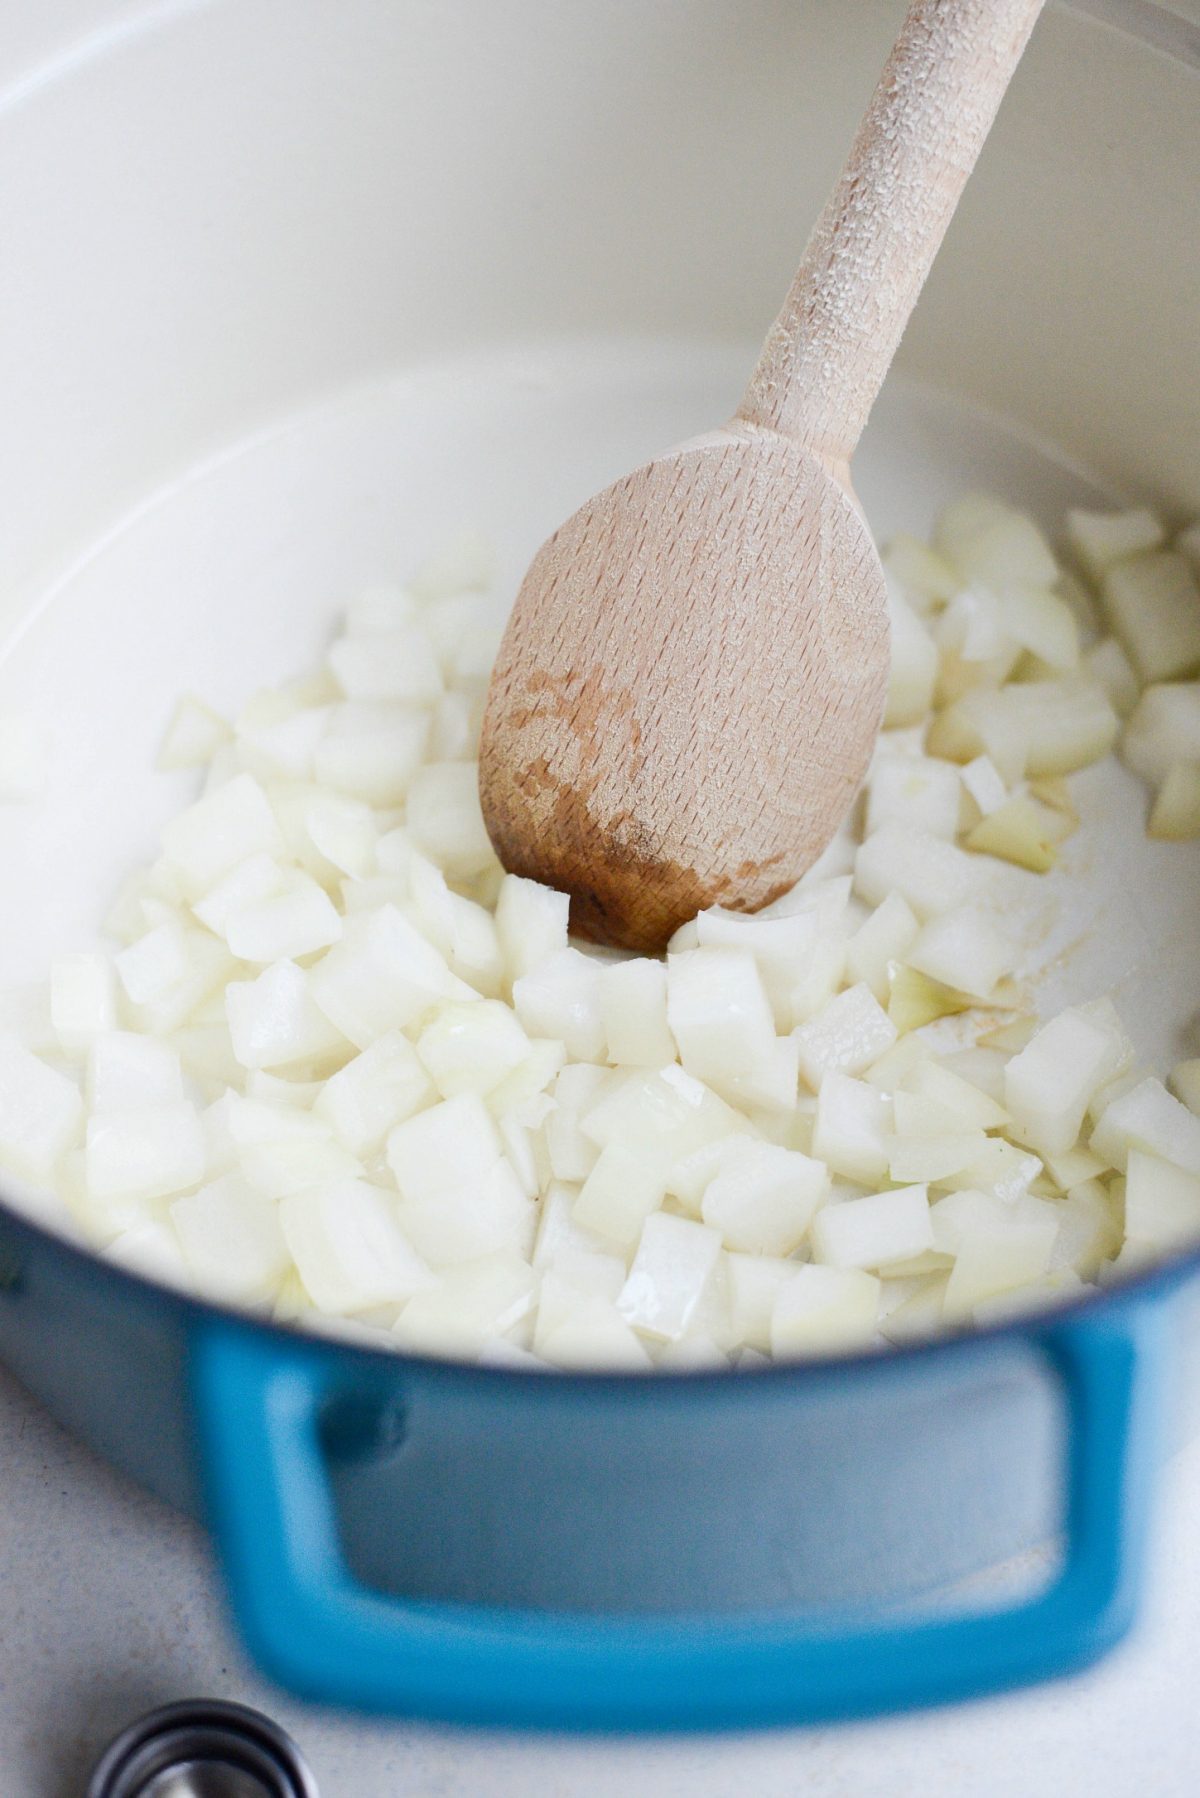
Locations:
649 800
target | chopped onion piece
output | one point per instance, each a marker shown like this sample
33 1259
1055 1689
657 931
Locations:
763 1199
1101 538
349 1248
847 1036
674 1263
1176 813
1153 605
1162 1203
633 1011
820 1310
875 1231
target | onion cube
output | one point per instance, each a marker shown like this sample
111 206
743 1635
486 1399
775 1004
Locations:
824 1309
719 1014
667 1112
850 1033
82 998
560 998
884 937
529 1080
1185 1083
783 946
1023 831
452 1147
463 931
152 966
754 1283
1101 538
151 1247
531 923
1049 1084
342 831
397 663
982 780
584 1330
277 1169
1107 663
463 1222
150 1153
1162 1203
274 1021
283 928
259 877
224 828
445 818
925 577
1175 816
565 1247
874 1231
283 748
1013 1249
371 750
379 608
374 1092
964 949
471 1048
453 736
914 661
1163 729
1153 605
914 790
972 1108
1043 624
1149 1117
40 1110
853 1123
1089 1231
931 875
1042 727
675 1261
927 1158
471 1304
349 1248
770 1086
762 1200
623 1188
633 1011
572 1154
382 975
232 1241
126 1071
993 543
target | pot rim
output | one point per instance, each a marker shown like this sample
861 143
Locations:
1156 1282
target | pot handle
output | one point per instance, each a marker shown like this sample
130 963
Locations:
315 1629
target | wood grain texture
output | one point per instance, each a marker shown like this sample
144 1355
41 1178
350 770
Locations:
650 765
870 251
688 693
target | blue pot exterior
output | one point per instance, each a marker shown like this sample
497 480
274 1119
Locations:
387 1524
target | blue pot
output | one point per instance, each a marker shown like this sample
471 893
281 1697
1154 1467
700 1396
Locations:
621 1551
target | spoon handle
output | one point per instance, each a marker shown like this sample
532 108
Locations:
827 353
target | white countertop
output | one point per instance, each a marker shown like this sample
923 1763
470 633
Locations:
109 1605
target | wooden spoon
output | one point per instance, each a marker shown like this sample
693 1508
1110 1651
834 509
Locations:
688 693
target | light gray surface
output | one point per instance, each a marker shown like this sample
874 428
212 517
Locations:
110 1606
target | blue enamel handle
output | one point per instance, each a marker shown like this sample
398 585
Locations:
316 1630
